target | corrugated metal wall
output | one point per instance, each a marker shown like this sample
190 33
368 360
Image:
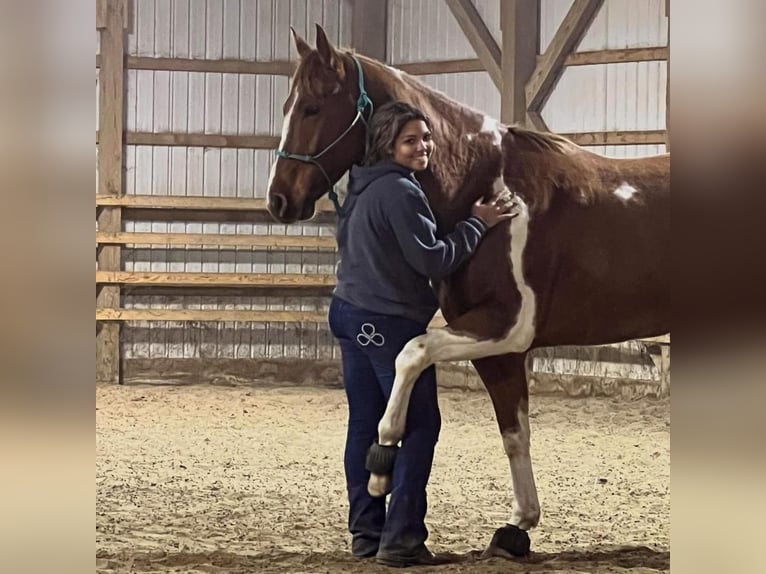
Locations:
423 30
628 96
589 98
219 104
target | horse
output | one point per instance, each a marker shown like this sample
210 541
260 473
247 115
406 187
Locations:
586 261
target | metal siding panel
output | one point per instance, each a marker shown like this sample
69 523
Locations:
181 28
628 96
197 27
145 27
330 11
231 28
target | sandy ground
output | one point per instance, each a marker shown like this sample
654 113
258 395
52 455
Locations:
249 479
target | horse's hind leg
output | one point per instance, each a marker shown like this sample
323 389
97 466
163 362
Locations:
505 378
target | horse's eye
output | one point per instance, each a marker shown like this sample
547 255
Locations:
310 111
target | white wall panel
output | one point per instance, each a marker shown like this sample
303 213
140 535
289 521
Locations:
217 103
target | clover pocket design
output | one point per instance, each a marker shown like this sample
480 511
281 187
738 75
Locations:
368 335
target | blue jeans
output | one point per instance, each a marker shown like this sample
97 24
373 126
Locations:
369 344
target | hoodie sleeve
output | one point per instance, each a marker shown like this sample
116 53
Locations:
414 226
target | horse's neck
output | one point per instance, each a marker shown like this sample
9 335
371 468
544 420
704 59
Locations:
468 157
466 163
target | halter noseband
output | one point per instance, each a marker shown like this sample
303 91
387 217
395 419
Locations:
361 104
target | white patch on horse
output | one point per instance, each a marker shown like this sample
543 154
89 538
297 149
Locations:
396 72
285 129
625 191
526 509
492 126
447 345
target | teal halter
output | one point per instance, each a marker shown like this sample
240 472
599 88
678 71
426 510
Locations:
361 104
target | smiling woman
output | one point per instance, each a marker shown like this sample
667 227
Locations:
402 133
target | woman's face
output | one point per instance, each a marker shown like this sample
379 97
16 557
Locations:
413 146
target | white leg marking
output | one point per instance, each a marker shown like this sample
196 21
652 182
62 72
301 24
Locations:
625 191
526 509
412 360
523 331
446 345
285 129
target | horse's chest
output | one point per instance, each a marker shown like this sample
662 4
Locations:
486 278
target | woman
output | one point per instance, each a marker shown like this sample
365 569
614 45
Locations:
389 253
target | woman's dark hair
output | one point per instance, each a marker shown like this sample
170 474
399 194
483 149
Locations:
385 126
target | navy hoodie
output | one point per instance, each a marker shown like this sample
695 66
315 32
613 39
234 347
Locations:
389 251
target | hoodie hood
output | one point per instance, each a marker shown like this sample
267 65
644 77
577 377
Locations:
361 177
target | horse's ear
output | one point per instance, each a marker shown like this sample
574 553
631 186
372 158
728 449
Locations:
301 45
327 52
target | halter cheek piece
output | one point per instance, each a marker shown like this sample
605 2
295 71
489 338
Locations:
361 104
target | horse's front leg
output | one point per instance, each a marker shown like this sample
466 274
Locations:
479 333
505 378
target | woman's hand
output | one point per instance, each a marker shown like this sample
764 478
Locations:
500 207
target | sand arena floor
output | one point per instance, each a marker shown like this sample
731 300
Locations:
249 479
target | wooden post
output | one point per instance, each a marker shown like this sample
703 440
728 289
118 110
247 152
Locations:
110 17
480 38
369 28
520 26
551 64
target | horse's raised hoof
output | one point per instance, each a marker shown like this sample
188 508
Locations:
380 459
509 542
379 485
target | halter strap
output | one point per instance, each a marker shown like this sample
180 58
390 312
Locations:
362 102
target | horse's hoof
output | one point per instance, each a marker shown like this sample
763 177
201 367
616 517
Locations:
380 459
509 540
379 485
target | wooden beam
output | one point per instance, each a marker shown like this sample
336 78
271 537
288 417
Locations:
110 166
217 239
190 202
324 292
226 315
480 38
101 13
520 25
536 121
442 67
199 140
550 67
287 68
634 137
228 66
617 56
369 27
215 279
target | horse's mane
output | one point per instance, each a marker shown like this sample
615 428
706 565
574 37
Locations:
543 141
543 165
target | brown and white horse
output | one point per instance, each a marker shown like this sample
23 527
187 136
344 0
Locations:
585 263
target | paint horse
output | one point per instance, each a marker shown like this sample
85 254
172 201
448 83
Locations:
585 263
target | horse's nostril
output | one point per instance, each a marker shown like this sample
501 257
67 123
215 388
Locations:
278 204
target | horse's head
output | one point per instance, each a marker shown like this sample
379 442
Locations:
323 131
